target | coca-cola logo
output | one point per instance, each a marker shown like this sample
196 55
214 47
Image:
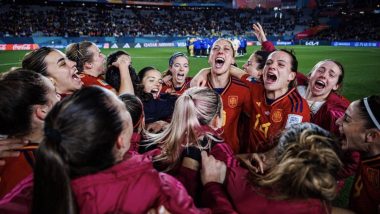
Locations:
22 47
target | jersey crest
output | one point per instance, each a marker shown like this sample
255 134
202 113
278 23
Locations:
233 101
277 115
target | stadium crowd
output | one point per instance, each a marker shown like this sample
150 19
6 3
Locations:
82 132
120 21
115 20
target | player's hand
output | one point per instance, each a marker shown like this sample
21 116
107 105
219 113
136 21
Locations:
167 80
200 79
212 170
8 147
259 32
255 161
122 61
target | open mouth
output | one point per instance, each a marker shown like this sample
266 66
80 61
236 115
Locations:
320 84
180 76
75 77
219 62
154 92
271 77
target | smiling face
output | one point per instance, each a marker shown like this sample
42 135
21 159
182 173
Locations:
152 82
251 67
277 72
63 72
352 128
179 70
324 78
221 56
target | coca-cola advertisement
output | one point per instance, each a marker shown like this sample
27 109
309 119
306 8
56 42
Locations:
16 47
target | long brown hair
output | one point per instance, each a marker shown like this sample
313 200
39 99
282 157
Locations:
307 161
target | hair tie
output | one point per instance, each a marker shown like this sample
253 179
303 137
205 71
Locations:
371 115
53 134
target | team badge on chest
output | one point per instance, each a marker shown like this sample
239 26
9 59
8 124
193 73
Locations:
277 115
233 101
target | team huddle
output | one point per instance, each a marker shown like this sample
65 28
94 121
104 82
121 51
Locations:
84 133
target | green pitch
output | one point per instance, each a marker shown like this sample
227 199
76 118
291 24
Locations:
362 65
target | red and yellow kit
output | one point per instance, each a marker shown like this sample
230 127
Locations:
178 91
236 100
91 80
269 119
365 195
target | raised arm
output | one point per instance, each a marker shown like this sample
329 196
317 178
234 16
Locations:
259 32
237 72
201 78
261 37
8 148
126 85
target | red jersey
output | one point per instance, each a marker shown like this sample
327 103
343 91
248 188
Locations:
334 107
15 170
268 120
91 80
236 100
170 89
268 46
365 195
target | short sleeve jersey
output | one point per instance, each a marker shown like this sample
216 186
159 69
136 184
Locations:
269 119
236 100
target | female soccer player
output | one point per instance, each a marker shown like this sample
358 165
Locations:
91 65
177 72
360 129
26 97
53 64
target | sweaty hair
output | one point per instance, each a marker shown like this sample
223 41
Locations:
307 161
113 72
79 53
35 60
340 66
374 105
194 109
20 90
69 151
